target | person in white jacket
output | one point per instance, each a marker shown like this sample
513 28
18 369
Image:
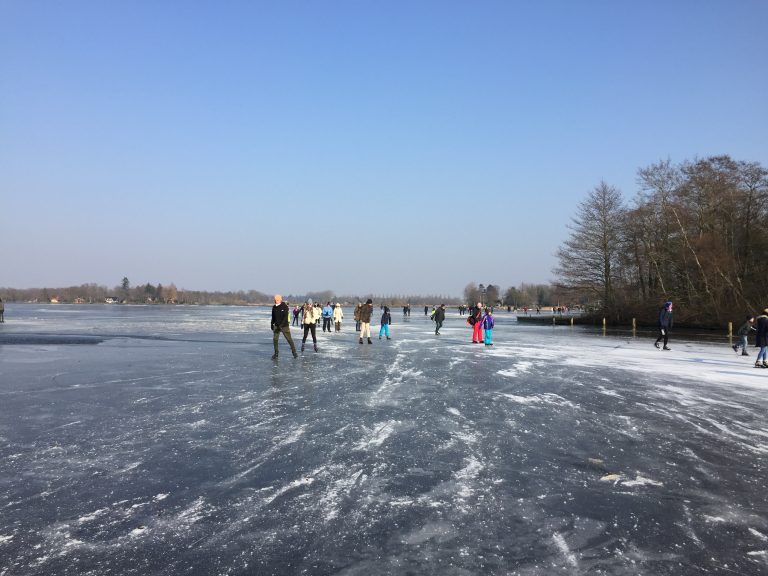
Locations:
310 320
338 315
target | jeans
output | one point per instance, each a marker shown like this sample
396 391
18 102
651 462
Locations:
384 330
438 325
743 343
762 354
327 324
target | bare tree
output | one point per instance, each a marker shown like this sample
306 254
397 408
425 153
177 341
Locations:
589 258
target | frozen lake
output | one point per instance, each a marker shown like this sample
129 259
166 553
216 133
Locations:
155 440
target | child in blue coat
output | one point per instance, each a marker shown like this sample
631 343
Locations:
488 327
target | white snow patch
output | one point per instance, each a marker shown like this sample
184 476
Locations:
517 369
160 497
453 411
378 435
92 516
4 539
546 398
758 534
295 484
641 481
562 545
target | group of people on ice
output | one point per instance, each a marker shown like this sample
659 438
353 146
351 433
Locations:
751 324
759 326
310 313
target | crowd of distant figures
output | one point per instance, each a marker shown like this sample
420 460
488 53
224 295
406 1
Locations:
308 316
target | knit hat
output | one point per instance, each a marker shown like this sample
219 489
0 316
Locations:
309 300
369 301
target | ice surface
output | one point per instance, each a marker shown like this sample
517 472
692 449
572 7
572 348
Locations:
154 440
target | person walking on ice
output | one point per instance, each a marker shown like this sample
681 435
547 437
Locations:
665 323
327 317
439 318
487 324
338 316
365 320
310 320
386 320
761 340
743 334
280 315
476 321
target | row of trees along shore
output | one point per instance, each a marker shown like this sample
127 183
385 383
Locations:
149 293
695 233
523 295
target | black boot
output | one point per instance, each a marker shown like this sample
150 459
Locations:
369 341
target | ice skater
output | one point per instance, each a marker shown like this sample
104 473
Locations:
356 316
2 311
475 320
743 334
295 316
338 316
665 323
327 317
279 324
365 320
487 324
439 318
761 339
309 324
386 320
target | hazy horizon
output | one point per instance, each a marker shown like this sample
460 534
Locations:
393 148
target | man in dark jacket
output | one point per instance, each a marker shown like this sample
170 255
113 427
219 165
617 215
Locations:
761 340
665 323
365 320
439 318
280 315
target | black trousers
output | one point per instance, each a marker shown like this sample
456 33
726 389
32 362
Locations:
663 335
307 329
327 324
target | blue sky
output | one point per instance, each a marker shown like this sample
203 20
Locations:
392 147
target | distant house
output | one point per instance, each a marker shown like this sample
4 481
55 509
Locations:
55 300
111 300
79 300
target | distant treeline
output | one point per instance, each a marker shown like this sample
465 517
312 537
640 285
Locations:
158 294
524 295
696 233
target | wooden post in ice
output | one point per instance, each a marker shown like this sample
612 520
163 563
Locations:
553 321
730 333
634 327
603 325
571 321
